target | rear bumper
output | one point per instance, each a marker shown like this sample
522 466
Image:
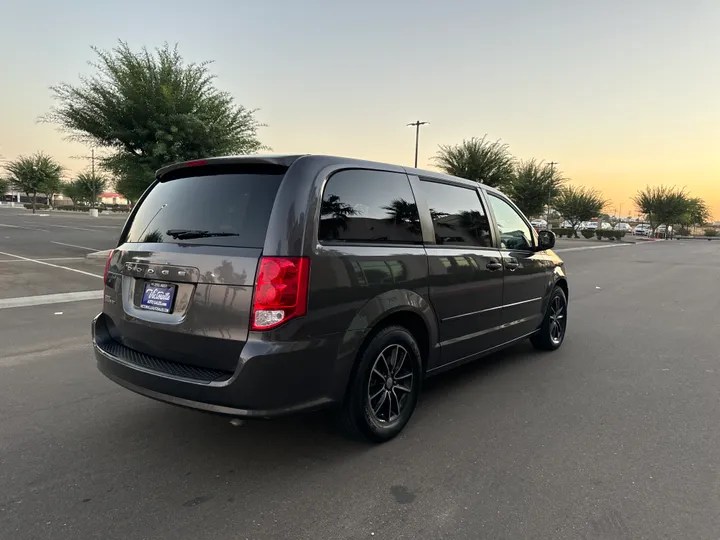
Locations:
272 379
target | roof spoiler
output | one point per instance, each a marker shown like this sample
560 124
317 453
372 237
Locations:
258 160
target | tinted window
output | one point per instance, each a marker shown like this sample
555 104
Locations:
514 232
235 205
458 216
369 206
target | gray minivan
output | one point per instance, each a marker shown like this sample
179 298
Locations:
259 286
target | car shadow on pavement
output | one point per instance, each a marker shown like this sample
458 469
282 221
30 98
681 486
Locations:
311 436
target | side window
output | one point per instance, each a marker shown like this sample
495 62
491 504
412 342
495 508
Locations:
514 232
459 218
369 206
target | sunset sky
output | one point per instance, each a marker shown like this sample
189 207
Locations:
620 93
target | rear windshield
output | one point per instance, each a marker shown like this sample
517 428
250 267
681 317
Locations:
233 209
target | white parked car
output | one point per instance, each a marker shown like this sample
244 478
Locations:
539 223
622 227
643 229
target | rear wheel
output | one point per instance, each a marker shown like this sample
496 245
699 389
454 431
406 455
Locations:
385 387
552 331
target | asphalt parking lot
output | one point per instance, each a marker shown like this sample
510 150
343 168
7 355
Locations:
614 436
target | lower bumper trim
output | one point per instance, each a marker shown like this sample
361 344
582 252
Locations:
218 409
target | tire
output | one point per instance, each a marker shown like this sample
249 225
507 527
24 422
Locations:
384 388
554 326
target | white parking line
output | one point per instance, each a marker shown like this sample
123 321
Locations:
73 245
53 265
24 228
44 259
585 248
45 299
68 227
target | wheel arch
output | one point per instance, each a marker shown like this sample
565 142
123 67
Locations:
401 308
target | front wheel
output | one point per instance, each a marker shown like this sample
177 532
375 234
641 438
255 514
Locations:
552 330
385 387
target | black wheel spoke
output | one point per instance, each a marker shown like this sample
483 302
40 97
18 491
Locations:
376 409
400 362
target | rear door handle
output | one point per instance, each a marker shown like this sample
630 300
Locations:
493 265
511 264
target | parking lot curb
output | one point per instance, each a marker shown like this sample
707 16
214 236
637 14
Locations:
98 254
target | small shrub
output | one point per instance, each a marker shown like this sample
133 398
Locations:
38 206
599 233
711 232
588 233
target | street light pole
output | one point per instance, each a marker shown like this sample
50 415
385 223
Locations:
552 175
417 125
92 166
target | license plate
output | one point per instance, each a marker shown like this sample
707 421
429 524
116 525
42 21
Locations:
158 297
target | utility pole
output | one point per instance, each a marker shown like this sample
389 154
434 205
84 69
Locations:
417 125
552 175
92 168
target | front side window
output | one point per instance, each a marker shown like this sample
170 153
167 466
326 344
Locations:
458 216
362 206
514 232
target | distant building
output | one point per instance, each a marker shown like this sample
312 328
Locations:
112 198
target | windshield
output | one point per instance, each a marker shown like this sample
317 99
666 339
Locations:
223 210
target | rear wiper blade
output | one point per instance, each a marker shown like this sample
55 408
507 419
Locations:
189 234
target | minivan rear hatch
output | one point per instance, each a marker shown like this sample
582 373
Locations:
180 285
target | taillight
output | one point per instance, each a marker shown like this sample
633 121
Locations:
107 265
280 291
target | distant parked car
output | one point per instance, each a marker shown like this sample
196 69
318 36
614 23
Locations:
538 224
591 225
643 229
622 227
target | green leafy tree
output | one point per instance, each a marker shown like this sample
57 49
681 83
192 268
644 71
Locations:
149 109
31 174
696 213
4 186
534 185
479 160
52 186
74 191
662 205
91 185
578 204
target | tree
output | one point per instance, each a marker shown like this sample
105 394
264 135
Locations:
149 109
74 191
52 186
4 186
696 213
577 204
534 185
662 205
31 174
479 160
91 185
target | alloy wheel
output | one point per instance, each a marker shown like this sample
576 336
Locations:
558 320
391 384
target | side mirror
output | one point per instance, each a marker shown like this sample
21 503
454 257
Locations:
546 240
